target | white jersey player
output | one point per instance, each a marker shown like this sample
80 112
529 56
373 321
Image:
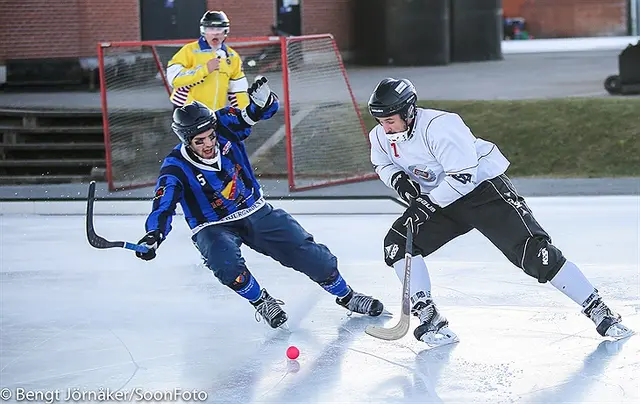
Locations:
455 182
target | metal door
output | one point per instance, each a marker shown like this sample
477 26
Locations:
171 19
288 17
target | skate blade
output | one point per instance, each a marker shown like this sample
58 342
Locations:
282 323
384 313
442 337
285 326
618 331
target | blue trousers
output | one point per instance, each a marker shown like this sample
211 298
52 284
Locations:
269 231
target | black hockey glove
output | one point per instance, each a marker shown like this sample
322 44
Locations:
152 239
260 93
417 214
407 188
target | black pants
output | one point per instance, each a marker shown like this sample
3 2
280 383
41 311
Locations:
496 210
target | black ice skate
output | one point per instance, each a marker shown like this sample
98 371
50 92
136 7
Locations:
608 323
434 327
358 303
269 308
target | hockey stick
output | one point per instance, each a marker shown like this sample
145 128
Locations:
399 330
97 241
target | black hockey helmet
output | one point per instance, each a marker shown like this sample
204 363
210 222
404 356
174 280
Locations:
191 120
393 96
214 19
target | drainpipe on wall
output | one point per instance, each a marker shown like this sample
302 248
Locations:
3 72
634 14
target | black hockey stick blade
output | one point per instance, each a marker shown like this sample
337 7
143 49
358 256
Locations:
100 242
399 330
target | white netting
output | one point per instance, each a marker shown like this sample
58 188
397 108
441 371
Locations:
328 141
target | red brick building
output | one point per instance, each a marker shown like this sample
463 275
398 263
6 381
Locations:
71 28
571 18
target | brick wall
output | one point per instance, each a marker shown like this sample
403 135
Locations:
570 18
513 8
333 17
248 17
71 28
30 28
64 28
318 17
108 20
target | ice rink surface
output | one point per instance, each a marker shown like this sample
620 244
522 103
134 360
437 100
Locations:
73 317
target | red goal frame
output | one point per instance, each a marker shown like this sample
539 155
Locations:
245 42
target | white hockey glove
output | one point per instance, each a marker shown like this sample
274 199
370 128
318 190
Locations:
260 93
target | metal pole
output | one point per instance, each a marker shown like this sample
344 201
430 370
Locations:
634 11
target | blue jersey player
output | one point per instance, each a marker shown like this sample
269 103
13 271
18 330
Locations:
210 175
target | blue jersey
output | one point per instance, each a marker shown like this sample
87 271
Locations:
211 194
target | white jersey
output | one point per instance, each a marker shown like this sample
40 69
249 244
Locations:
442 155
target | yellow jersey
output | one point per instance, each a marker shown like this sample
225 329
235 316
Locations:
191 80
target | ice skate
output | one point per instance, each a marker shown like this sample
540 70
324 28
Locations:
608 323
434 327
269 308
358 303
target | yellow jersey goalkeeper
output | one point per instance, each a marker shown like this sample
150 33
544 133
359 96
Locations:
207 70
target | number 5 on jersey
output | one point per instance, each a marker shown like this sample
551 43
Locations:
201 179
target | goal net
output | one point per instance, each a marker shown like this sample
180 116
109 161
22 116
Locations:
317 138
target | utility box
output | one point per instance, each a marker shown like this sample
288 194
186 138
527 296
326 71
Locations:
628 80
402 32
476 30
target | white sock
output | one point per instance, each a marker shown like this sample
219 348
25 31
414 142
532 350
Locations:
420 281
571 281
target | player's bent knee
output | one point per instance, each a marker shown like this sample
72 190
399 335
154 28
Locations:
393 248
225 265
314 260
542 260
228 274
241 281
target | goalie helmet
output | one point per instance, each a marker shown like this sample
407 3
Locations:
191 120
214 19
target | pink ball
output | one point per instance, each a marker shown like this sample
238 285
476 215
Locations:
293 352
